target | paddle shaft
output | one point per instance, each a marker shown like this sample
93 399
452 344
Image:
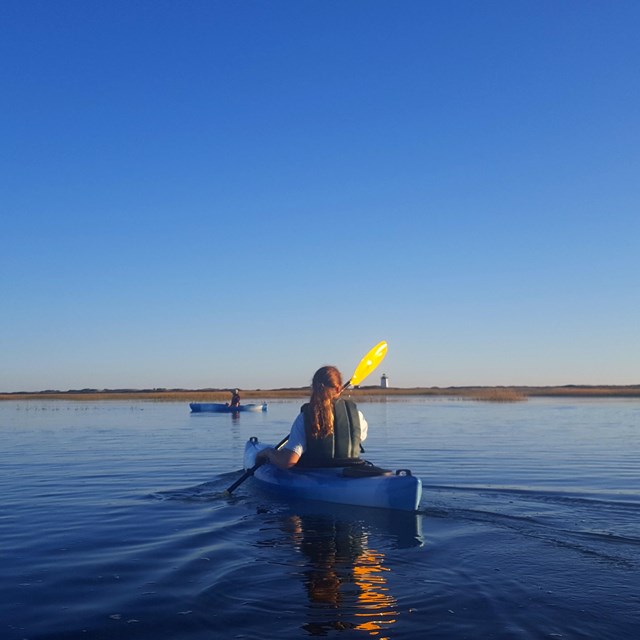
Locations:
249 472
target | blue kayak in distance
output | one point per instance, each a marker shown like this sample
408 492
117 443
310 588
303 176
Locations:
220 407
394 490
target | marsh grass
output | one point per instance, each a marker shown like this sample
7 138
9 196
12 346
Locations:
371 394
498 395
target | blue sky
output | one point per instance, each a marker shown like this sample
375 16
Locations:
213 194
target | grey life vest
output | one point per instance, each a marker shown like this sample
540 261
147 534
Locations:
340 448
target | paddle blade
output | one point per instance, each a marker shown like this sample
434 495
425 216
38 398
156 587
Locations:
369 363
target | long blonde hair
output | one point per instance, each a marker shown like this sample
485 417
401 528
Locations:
326 387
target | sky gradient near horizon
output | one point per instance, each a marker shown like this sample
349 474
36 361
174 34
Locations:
216 193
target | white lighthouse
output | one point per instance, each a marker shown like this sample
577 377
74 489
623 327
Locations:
384 381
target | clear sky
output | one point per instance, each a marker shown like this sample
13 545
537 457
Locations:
207 193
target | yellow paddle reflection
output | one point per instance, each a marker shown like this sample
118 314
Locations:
346 581
378 607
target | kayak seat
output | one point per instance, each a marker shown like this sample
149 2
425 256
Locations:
310 463
365 470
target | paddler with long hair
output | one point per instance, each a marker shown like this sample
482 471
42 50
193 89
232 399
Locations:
327 431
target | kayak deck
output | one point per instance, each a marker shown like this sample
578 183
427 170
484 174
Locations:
394 491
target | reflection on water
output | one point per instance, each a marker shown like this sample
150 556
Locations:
345 581
344 571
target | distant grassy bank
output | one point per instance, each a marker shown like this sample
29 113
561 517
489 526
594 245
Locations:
489 394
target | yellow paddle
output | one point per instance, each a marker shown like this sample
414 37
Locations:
366 366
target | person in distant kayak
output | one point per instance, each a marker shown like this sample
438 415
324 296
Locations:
235 398
327 431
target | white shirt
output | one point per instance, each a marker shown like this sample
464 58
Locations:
297 441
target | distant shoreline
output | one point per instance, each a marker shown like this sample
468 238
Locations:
498 394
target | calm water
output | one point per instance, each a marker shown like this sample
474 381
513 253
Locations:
113 524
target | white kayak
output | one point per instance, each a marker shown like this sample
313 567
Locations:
397 490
